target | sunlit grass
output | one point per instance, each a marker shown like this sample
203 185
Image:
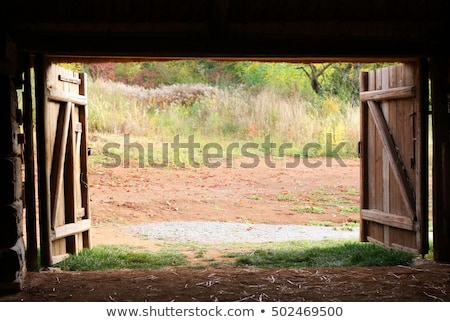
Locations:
103 258
291 254
325 254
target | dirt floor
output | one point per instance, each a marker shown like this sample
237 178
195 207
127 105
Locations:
124 196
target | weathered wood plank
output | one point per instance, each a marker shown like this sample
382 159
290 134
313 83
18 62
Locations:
388 219
385 107
71 229
388 94
69 182
363 144
404 248
371 150
394 159
67 79
41 69
59 258
59 156
30 188
61 96
87 238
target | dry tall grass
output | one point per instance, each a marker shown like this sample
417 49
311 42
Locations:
215 114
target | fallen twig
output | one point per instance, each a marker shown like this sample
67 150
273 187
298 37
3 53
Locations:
433 297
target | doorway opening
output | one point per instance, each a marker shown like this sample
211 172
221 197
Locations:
262 146
224 142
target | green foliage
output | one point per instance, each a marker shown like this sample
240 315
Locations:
75 67
340 79
343 82
126 72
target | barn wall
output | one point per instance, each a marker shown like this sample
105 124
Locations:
12 249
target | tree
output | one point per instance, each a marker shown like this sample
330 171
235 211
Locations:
314 72
343 82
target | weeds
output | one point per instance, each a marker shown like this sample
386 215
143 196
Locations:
309 210
286 197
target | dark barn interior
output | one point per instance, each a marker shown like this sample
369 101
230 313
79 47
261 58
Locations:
35 33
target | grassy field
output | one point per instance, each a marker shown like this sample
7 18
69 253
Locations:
223 116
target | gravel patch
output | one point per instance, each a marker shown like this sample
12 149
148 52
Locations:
219 232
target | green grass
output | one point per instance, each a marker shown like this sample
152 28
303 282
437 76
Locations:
321 223
350 209
325 254
348 226
293 254
103 258
309 210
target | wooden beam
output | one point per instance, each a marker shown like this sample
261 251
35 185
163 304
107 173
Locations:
404 248
439 71
87 238
388 219
71 229
68 79
41 66
59 258
392 246
59 157
69 183
364 186
423 183
30 185
394 159
60 96
388 94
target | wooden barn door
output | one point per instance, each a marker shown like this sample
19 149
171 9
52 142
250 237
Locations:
62 163
394 157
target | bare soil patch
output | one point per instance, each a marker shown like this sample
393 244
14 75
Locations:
125 196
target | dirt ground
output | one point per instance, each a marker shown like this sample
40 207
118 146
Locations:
125 196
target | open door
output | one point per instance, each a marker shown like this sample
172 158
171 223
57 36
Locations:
394 157
61 118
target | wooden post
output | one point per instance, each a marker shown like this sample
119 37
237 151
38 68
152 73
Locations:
43 179
423 157
30 190
364 201
441 170
87 238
